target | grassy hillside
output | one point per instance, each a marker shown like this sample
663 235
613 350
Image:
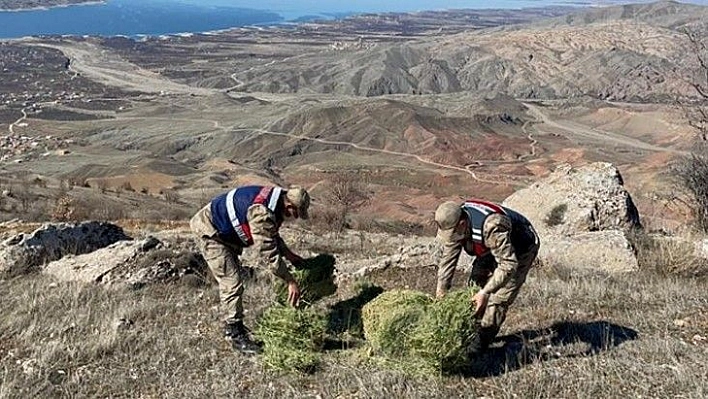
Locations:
570 335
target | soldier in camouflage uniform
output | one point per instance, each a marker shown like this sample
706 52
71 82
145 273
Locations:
504 245
245 216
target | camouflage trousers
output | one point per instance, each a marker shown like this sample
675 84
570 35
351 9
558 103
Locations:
500 301
223 260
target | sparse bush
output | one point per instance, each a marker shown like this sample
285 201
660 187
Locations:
108 213
692 174
395 227
346 192
71 183
692 170
95 209
63 210
102 185
328 219
62 188
24 194
667 255
126 186
171 196
38 212
556 215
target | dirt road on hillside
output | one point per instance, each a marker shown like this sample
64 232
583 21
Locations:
574 130
108 68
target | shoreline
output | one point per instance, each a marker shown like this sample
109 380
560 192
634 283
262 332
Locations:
88 3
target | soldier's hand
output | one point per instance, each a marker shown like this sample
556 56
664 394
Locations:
439 293
480 300
293 294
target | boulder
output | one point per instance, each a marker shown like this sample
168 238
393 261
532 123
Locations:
609 251
95 266
576 200
582 216
28 252
133 264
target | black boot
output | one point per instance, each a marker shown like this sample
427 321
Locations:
237 333
480 343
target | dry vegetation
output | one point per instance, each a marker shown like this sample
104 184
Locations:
570 334
34 199
692 170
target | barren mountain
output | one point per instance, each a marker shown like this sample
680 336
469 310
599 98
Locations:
418 114
633 53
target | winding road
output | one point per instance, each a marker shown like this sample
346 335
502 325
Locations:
574 129
11 127
109 68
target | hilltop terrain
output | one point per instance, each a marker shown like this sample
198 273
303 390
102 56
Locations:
575 114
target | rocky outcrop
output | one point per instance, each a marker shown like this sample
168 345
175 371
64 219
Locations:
581 215
95 267
28 252
607 250
424 253
133 263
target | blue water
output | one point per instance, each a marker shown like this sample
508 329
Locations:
129 17
156 17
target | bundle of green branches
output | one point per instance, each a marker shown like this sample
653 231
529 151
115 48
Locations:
390 319
446 330
315 276
292 338
431 334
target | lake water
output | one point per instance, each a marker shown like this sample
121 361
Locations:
155 17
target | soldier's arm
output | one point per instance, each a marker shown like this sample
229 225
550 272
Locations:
446 267
291 256
497 237
266 239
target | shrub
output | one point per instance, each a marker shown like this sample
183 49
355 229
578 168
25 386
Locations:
292 338
556 215
692 173
315 277
667 255
427 335
390 319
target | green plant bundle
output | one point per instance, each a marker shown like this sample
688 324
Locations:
292 337
315 276
432 334
390 319
443 334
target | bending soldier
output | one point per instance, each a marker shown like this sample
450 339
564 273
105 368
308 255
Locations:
504 245
245 216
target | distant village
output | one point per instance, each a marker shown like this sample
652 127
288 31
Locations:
34 78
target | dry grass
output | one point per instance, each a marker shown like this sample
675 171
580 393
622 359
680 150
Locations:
668 255
569 335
